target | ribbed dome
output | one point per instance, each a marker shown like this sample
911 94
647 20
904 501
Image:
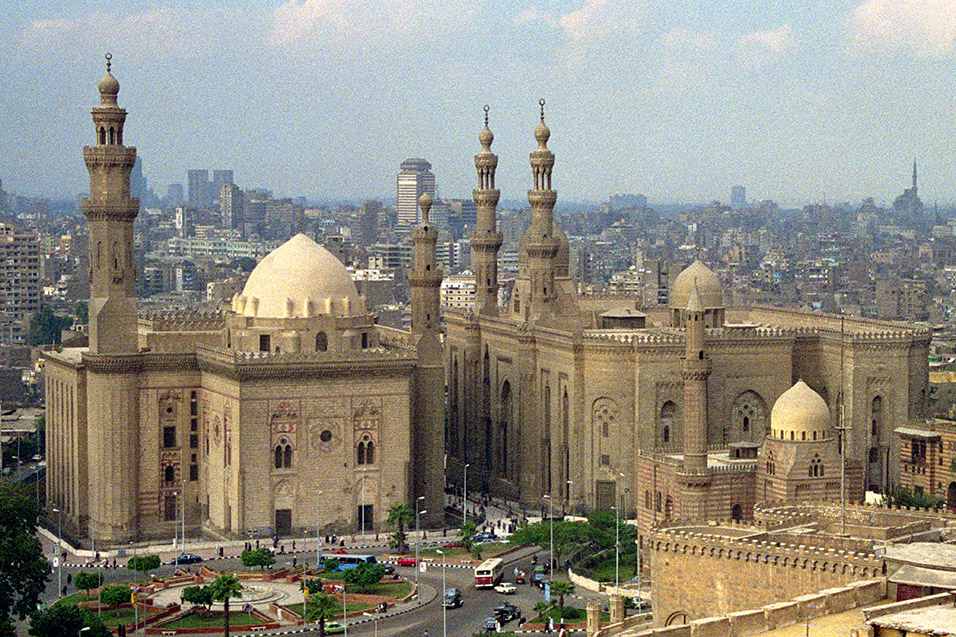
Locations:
300 278
800 410
708 287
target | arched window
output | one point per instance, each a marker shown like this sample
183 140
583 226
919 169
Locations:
666 434
169 473
370 453
876 415
816 467
668 413
112 136
365 451
283 454
102 136
360 453
321 342
771 465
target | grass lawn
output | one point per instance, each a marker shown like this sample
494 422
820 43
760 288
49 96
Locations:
352 608
571 614
194 620
397 590
74 599
487 551
113 618
604 572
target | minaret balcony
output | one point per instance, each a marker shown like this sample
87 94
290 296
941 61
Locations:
542 198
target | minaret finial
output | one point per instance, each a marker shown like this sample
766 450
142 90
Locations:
109 63
541 102
487 108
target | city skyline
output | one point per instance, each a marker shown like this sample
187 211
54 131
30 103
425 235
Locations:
675 101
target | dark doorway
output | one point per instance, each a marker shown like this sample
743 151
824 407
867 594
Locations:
169 508
366 516
951 497
283 522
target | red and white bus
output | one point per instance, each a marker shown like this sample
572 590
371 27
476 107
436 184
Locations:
489 573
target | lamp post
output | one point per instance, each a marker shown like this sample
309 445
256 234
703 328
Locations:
374 621
464 505
362 508
318 544
617 550
444 610
135 607
418 544
551 543
59 553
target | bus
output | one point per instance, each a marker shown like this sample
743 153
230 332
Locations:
489 573
351 561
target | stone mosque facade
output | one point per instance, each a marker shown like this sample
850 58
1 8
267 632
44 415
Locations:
693 411
290 410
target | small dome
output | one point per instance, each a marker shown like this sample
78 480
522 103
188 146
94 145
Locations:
300 278
486 137
708 287
109 88
542 133
800 410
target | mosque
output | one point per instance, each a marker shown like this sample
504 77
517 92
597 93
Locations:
289 411
691 411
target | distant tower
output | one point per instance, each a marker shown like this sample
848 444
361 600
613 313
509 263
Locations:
428 452
113 361
914 177
542 247
414 179
695 369
197 186
230 206
111 211
738 197
486 240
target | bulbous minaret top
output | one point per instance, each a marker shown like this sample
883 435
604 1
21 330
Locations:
108 86
425 203
486 137
541 132
542 159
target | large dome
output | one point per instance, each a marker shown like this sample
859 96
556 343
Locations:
708 287
800 414
300 278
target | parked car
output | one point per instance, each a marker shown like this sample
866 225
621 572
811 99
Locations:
185 558
452 598
407 560
487 536
491 624
506 612
389 569
333 627
338 551
506 588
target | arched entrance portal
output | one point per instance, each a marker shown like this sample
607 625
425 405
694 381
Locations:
676 618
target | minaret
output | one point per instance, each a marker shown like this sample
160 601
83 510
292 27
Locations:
914 176
695 369
429 418
110 212
486 240
542 246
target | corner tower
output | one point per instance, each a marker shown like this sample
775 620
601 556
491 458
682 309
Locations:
542 247
428 453
110 212
486 240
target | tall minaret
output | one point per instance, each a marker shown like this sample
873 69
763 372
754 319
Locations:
110 212
429 418
486 240
914 176
542 246
695 369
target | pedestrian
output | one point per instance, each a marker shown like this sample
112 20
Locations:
563 633
293 546
64 591
69 578
221 551
257 544
295 561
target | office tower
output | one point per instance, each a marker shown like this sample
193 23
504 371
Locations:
414 179
738 197
221 178
371 214
197 184
230 206
19 281
137 183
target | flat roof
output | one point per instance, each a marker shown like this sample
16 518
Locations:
934 620
912 432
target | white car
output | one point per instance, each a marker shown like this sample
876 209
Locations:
506 588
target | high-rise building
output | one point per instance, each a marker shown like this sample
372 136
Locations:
197 184
738 197
221 178
371 214
230 206
414 179
19 281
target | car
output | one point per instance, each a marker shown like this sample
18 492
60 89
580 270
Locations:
491 624
389 569
407 560
339 551
452 598
506 612
332 627
37 458
487 536
185 558
506 588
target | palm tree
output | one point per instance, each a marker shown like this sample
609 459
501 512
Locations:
224 587
400 516
320 607
561 588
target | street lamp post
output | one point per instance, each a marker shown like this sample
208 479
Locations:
59 552
418 544
464 505
551 543
444 610
135 607
374 621
318 544
362 507
617 550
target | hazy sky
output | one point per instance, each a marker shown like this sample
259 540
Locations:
677 99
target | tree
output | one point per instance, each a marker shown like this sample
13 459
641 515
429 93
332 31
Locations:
364 575
561 588
143 563
23 571
198 596
45 326
905 497
567 536
64 619
313 586
245 264
87 581
225 587
330 564
468 533
82 312
320 607
262 557
116 595
399 517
